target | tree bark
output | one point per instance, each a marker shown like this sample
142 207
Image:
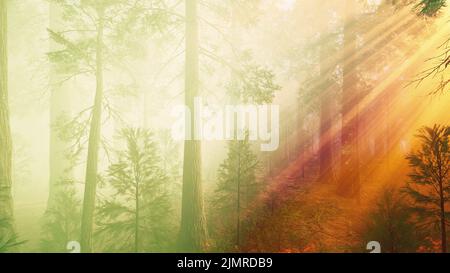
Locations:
59 105
443 227
87 220
326 110
6 201
442 202
349 182
193 235
238 201
327 89
136 228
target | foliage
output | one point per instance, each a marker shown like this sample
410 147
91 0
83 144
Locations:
430 7
136 217
61 222
8 242
236 188
254 84
391 225
429 187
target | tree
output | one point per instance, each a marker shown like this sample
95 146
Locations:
193 235
94 25
390 224
327 99
349 182
6 202
236 187
254 83
140 207
59 107
429 187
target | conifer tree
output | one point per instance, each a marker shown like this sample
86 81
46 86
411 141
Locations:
136 218
236 188
429 187
97 34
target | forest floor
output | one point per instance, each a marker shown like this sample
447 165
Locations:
300 213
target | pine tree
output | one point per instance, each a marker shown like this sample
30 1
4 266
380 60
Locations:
99 31
237 186
429 187
137 217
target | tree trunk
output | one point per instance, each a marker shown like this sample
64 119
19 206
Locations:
87 220
59 105
136 228
238 199
349 182
326 110
192 236
6 202
442 216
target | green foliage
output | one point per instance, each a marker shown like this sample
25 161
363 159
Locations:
391 225
8 241
430 175
136 218
254 84
126 25
430 8
61 222
236 188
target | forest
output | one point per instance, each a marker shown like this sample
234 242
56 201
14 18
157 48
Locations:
228 126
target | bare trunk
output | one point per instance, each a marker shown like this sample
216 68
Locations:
192 236
59 104
87 220
326 111
349 182
6 202
136 227
238 205
442 209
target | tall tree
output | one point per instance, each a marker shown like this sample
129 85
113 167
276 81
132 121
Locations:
327 101
101 30
59 107
349 182
252 83
87 218
193 234
429 187
6 201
